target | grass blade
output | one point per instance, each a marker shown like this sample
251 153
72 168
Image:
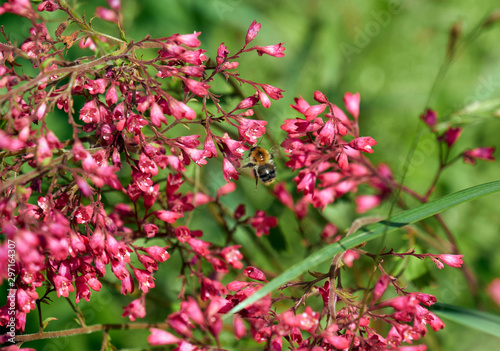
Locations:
371 232
482 321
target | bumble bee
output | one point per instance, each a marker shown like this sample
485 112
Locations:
263 165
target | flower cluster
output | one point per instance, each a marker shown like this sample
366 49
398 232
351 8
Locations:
328 152
103 200
450 136
67 233
408 317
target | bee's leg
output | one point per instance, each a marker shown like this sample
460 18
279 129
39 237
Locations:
248 165
256 179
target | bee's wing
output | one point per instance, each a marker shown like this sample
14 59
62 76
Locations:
276 152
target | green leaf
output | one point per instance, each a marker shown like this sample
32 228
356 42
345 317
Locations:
371 232
46 322
482 321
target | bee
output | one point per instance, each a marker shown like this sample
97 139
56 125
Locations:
263 165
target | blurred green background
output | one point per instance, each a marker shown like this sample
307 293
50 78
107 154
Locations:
388 51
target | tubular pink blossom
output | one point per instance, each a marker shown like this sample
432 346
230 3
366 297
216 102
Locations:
226 189
351 102
247 103
263 223
222 53
320 97
264 99
240 329
451 260
313 111
363 144
323 197
228 170
301 105
115 4
412 348
364 203
282 194
83 186
494 290
197 88
106 14
135 309
306 182
481 153
162 337
327 133
450 136
255 273
380 287
273 92
342 160
233 256
43 150
271 50
252 31
167 216
179 109
430 118
349 257
190 40
209 147
157 116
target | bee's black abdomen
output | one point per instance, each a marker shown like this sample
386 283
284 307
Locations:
267 174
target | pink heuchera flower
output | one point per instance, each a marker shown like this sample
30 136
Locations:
282 194
48 5
301 105
233 256
228 170
273 92
363 144
251 130
240 329
412 348
162 337
313 111
167 216
365 203
89 112
262 223
255 273
150 229
429 118
349 257
226 189
247 103
450 136
190 40
106 14
351 102
159 254
494 290
305 182
481 153
450 260
252 31
135 309
97 86
197 88
145 280
179 109
271 50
